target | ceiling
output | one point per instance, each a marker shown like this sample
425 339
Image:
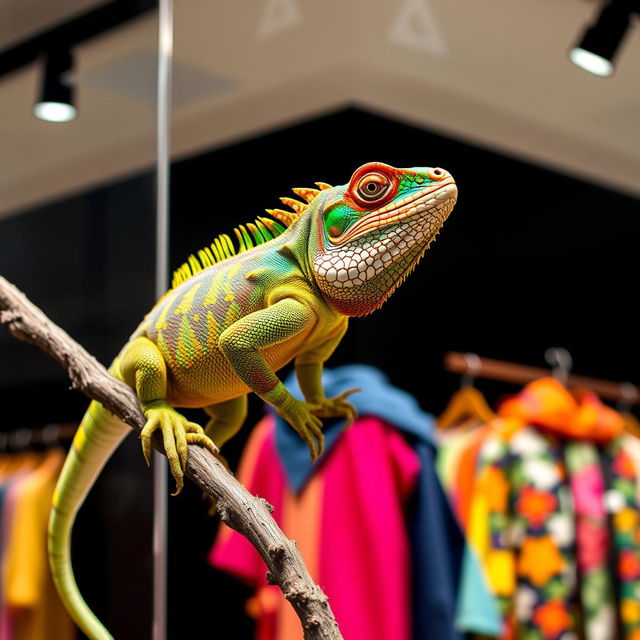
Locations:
21 19
490 73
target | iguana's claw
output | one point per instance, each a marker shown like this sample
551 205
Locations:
298 414
177 433
337 407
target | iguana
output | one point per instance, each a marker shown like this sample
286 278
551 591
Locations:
235 315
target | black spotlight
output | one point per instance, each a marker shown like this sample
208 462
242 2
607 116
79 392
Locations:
597 48
55 103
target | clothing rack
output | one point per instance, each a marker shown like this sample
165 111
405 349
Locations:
23 438
476 366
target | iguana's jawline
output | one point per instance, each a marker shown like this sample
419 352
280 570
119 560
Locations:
395 212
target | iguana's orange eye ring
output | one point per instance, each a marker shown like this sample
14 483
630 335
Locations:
372 187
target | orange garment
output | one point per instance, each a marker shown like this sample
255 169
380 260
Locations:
465 474
545 403
29 592
455 464
302 522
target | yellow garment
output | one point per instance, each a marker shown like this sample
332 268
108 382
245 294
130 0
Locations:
36 610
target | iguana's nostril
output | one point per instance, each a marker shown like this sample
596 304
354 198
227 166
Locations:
438 173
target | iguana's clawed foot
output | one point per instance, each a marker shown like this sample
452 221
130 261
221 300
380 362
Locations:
337 407
177 433
304 417
299 415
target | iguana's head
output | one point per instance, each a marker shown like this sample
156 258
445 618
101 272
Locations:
368 235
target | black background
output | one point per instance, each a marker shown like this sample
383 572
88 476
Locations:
529 259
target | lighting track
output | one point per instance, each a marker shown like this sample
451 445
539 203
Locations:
70 33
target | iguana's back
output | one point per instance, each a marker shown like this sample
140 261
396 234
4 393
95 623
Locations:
186 324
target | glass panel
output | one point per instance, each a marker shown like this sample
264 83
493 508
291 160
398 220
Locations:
77 235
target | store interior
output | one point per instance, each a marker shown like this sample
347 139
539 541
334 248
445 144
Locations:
539 252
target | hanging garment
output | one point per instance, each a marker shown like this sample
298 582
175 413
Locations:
555 518
349 515
34 609
14 469
456 463
10 493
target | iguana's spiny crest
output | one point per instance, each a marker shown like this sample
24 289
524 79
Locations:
248 236
372 232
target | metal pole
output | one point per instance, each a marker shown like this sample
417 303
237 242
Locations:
160 479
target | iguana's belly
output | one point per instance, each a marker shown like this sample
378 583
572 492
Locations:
212 379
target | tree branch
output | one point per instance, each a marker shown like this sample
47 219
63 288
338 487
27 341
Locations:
240 510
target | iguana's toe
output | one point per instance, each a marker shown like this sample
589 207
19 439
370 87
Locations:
337 407
309 427
193 427
204 441
177 434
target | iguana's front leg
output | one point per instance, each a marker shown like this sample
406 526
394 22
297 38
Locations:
143 368
309 365
241 343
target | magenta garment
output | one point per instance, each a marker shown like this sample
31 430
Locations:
364 550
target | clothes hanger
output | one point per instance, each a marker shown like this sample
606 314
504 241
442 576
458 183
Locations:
23 458
17 455
19 461
561 363
17 452
467 402
629 393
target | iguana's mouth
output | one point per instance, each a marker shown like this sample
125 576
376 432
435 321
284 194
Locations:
425 200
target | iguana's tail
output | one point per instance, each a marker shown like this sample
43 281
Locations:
98 436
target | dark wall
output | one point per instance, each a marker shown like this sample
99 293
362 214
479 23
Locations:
528 259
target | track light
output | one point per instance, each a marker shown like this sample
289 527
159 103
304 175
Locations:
55 102
599 44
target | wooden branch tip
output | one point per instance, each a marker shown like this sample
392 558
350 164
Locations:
249 515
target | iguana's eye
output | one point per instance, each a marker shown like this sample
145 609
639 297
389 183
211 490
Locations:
372 186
